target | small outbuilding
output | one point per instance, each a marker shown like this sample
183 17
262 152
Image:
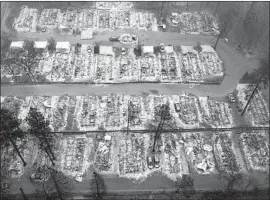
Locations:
63 47
87 34
187 49
41 44
147 49
168 49
17 45
106 50
207 48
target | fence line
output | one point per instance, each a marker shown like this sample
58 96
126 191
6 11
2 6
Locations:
179 130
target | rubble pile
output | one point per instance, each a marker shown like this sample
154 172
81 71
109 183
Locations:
104 153
188 109
132 155
81 64
199 152
143 21
128 68
169 66
197 66
103 16
49 18
216 113
256 149
113 5
257 113
148 68
119 19
104 69
224 153
87 18
172 166
75 155
27 20
114 111
195 23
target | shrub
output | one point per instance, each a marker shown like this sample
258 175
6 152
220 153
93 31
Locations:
198 47
51 45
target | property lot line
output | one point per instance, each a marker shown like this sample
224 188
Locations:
240 129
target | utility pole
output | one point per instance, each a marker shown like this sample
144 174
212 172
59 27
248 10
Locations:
129 104
222 30
98 193
251 96
24 196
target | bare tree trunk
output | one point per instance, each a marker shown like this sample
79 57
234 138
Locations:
48 145
56 185
223 29
161 10
49 157
46 194
17 150
160 126
24 197
128 117
97 187
216 8
201 6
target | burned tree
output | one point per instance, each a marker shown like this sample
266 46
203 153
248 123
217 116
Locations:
261 75
97 184
27 59
10 131
163 117
58 185
51 45
40 129
220 34
185 186
131 114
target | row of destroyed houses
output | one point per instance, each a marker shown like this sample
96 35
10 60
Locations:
65 47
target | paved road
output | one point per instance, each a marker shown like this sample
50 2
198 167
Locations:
156 183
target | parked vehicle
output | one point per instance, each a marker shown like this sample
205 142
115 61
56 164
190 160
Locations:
231 98
162 47
123 51
5 186
177 107
114 39
150 162
157 160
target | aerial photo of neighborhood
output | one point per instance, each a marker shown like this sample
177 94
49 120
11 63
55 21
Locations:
134 100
